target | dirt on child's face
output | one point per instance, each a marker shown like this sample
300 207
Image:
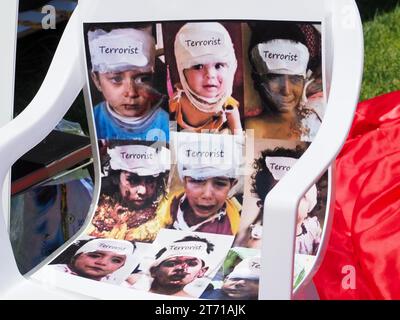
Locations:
129 93
284 91
207 80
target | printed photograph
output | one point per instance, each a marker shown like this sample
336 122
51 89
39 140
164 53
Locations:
273 160
180 263
206 182
133 189
105 260
127 79
238 279
284 94
204 60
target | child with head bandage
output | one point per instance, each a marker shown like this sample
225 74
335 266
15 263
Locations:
209 170
98 259
280 67
123 70
206 63
270 168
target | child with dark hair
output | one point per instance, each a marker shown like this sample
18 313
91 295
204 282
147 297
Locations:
132 198
280 59
269 169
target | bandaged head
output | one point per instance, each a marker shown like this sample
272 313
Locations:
281 56
205 43
121 50
121 247
209 155
248 268
279 166
195 249
139 159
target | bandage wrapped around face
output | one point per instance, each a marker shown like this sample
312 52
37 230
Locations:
281 57
195 249
139 159
121 247
121 50
279 166
205 43
209 155
248 268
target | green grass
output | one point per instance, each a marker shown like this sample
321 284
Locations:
382 54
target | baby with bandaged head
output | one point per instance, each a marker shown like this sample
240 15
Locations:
123 69
206 63
98 259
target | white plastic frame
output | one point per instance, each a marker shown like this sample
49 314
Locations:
343 53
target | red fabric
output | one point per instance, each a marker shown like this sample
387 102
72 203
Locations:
366 226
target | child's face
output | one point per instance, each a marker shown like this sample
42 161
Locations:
178 271
285 91
98 264
138 191
129 93
207 80
238 288
206 197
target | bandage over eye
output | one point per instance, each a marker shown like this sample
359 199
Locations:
121 247
248 268
208 155
141 160
205 43
281 57
121 50
195 249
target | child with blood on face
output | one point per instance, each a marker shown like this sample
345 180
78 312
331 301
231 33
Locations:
206 63
123 70
132 195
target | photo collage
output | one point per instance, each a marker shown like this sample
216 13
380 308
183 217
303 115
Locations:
196 122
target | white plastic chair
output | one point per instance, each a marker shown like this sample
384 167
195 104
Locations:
343 61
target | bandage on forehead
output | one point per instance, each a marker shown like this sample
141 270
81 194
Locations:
209 155
248 268
141 160
195 249
121 247
279 166
281 57
121 50
202 43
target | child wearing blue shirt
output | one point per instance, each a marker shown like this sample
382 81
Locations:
123 67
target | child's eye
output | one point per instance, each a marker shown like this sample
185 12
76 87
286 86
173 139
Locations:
221 183
116 79
196 181
143 79
117 260
220 65
197 67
